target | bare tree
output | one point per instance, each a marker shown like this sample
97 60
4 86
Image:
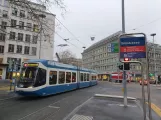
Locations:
67 57
37 12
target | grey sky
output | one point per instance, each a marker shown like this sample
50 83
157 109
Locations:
100 18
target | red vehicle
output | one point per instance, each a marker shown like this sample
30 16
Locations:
145 82
118 76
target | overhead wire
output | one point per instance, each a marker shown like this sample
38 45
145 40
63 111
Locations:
145 24
69 31
65 40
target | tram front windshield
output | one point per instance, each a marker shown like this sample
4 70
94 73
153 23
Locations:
28 75
32 77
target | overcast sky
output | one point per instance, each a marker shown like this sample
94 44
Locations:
100 18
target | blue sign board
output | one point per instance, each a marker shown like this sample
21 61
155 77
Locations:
132 47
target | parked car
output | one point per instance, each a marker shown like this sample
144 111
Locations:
145 82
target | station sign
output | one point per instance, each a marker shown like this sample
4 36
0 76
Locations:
132 47
113 47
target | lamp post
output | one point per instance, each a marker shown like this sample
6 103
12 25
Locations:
41 16
153 35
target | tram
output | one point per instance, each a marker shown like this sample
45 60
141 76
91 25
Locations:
45 77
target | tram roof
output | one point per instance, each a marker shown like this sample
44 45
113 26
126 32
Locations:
55 64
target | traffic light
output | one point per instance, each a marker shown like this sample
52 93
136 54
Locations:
120 67
126 65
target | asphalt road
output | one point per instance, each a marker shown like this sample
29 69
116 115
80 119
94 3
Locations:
58 106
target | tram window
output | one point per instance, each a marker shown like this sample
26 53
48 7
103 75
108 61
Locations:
53 77
81 76
73 77
61 77
85 77
93 77
68 77
41 77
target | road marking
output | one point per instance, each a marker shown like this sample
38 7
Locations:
81 117
53 107
41 109
77 108
7 98
155 108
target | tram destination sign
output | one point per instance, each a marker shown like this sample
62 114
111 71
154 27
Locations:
132 47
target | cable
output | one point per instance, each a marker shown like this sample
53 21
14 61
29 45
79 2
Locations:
145 24
65 40
69 31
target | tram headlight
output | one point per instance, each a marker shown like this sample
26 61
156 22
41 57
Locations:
30 87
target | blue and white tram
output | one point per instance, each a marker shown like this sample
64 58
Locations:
45 77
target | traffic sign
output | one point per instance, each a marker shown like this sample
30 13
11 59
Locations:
132 47
113 47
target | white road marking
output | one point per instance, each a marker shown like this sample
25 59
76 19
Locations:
41 109
77 108
53 107
81 117
7 98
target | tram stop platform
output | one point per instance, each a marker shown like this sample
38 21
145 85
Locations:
107 107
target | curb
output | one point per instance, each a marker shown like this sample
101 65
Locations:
113 96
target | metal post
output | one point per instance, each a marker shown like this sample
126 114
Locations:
148 85
41 22
11 74
124 72
154 61
123 17
125 88
40 44
143 93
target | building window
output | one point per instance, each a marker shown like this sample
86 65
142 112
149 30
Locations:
35 28
27 50
33 50
1 49
14 11
20 36
2 37
21 25
34 40
13 23
28 37
22 13
5 13
11 48
52 77
12 35
3 25
19 49
29 15
29 26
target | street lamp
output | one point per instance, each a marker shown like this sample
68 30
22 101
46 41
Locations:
153 35
84 47
41 16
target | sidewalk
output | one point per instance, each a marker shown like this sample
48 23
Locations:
107 108
5 92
